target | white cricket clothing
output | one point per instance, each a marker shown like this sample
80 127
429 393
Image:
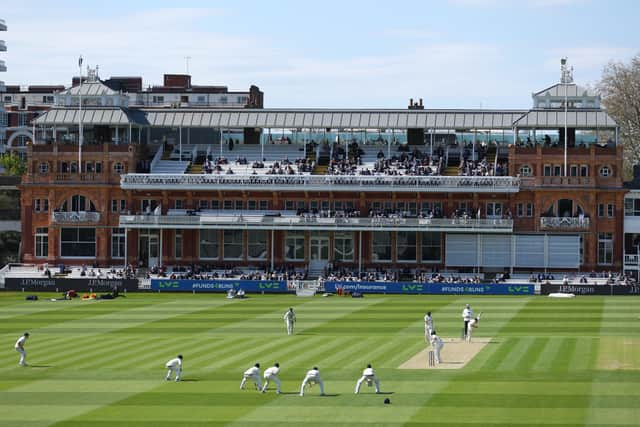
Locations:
428 322
174 366
289 319
252 374
368 375
437 344
271 374
312 376
467 314
20 349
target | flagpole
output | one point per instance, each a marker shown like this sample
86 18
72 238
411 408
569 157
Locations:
80 117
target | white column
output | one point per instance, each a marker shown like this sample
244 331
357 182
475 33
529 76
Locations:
126 233
271 254
565 129
160 254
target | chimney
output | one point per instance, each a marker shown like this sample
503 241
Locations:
421 102
410 102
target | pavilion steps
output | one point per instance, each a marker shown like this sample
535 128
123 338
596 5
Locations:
195 168
320 170
450 171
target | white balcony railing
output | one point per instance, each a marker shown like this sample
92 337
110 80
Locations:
564 223
631 260
289 222
75 217
456 184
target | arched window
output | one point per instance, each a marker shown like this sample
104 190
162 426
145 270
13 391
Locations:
77 203
525 170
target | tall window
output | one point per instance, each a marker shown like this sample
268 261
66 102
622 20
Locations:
343 247
494 210
232 248
257 244
209 244
431 247
78 242
177 247
294 246
605 248
381 245
117 243
42 242
406 246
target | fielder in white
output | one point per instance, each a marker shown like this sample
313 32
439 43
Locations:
467 315
370 377
428 326
473 323
252 373
312 377
174 366
436 344
271 374
20 349
289 319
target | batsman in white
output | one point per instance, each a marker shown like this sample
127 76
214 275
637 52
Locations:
370 377
312 377
428 326
252 373
289 319
467 315
20 349
436 344
271 374
174 366
473 323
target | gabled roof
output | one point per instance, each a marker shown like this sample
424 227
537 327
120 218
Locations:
572 90
96 88
554 119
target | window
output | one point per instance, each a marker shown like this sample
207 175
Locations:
294 246
36 205
611 210
605 248
232 248
114 205
177 247
43 167
525 170
381 245
238 204
557 170
203 204
343 247
215 204
289 205
158 99
42 242
73 168
118 168
406 248
88 167
494 210
117 243
201 99
79 204
223 100
251 205
529 211
78 242
601 210
632 207
605 171
264 205
148 205
178 204
431 246
584 170
573 170
98 167
257 244
123 205
546 171
209 244
525 210
228 204
47 99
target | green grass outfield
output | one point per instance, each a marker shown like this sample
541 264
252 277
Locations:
101 363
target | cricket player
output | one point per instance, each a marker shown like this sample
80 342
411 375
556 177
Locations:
252 373
289 319
467 315
473 323
271 374
370 377
428 326
174 366
436 344
312 377
20 349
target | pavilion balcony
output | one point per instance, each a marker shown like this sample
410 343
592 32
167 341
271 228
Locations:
564 223
631 260
75 217
253 220
369 183
557 181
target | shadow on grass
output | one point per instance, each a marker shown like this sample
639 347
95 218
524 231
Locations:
40 366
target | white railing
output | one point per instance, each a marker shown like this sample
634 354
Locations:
564 223
75 217
157 157
249 221
502 184
631 260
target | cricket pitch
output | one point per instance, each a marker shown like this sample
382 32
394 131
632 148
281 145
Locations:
454 355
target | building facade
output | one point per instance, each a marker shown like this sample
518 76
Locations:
417 189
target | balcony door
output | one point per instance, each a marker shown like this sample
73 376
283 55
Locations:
148 248
319 247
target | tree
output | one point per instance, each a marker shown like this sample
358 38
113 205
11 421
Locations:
620 91
13 164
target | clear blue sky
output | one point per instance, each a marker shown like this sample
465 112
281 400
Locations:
454 54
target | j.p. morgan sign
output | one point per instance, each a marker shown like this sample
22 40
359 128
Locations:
61 285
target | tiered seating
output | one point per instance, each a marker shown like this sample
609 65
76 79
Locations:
170 167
